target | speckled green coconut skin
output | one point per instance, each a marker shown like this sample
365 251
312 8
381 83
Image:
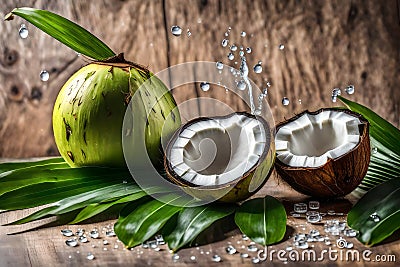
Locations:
89 111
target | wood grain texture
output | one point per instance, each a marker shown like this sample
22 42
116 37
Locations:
328 44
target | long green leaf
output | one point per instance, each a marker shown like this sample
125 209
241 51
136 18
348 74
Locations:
381 203
192 221
263 220
145 221
12 166
65 31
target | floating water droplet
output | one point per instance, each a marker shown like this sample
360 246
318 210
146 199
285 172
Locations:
281 46
67 232
224 42
71 242
44 76
255 260
285 102
233 48
83 239
204 86
349 89
219 65
176 30
90 256
243 34
374 150
241 85
23 31
216 258
231 56
175 257
299 207
230 250
257 68
248 50
313 205
110 233
193 258
252 248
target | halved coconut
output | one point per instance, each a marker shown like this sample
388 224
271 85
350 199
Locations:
227 158
324 153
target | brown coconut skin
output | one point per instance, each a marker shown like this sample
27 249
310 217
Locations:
338 177
237 190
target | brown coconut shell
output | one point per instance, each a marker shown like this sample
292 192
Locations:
337 177
237 190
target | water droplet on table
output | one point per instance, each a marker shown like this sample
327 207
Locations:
285 102
244 255
314 233
224 42
188 33
159 240
257 68
248 50
204 86
243 34
216 258
299 207
281 46
67 232
350 232
231 56
176 30
349 89
233 48
219 65
313 217
110 233
44 76
255 260
245 237
230 250
90 256
313 205
105 242
193 258
252 248
71 242
175 257
241 85
23 31
83 239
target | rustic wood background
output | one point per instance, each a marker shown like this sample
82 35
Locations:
327 44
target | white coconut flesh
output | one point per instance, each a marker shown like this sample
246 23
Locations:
312 139
212 152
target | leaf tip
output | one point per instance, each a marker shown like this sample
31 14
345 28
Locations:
9 16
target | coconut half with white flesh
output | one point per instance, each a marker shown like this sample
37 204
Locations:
324 153
226 158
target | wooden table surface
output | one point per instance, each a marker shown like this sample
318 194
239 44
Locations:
46 246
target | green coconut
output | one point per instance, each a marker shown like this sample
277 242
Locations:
90 108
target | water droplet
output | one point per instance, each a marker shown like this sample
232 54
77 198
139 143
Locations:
124 181
313 205
224 42
175 257
80 232
241 85
244 255
245 237
233 48
110 233
188 33
67 232
349 89
204 86
105 242
299 207
252 248
265 92
44 76
349 245
216 258
248 50
145 246
350 232
193 258
243 34
331 212
90 256
313 217
219 65
336 92
334 98
231 56
374 150
241 53
176 30
281 46
23 31
257 68
314 233
71 242
302 244
230 250
83 239
375 217
289 248
159 240
285 102
255 260
199 20
115 246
